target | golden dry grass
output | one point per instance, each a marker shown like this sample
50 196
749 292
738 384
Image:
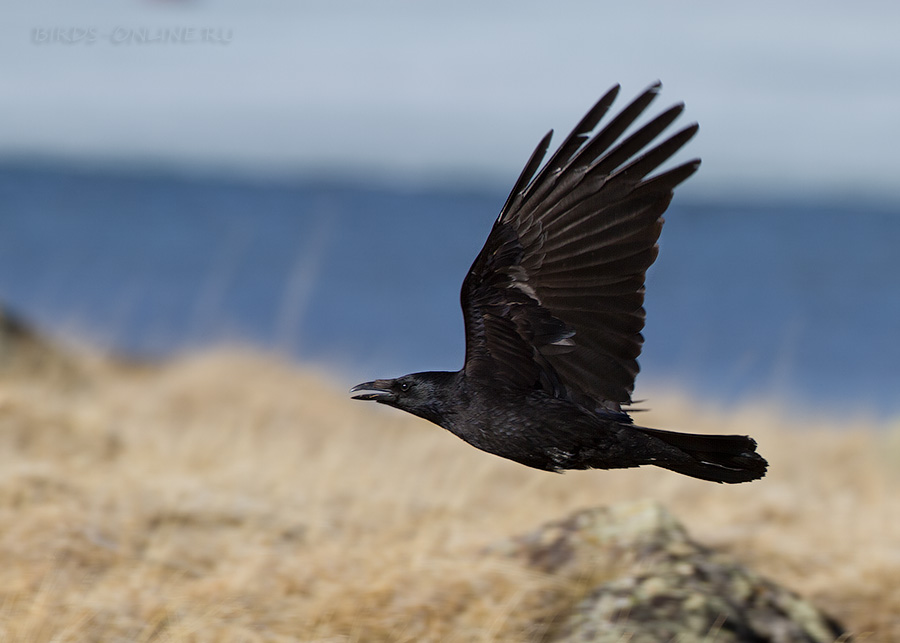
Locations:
231 497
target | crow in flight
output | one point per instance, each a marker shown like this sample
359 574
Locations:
553 309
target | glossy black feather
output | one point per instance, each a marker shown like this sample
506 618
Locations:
587 226
553 311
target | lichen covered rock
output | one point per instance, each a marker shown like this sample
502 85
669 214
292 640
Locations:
643 580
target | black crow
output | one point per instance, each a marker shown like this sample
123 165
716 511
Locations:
553 309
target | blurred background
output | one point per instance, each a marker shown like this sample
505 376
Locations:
315 178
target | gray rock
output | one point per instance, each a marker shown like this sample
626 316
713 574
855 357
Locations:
24 351
641 579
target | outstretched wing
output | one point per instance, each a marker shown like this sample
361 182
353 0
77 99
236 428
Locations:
554 300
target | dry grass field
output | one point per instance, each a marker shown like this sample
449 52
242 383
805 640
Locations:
228 496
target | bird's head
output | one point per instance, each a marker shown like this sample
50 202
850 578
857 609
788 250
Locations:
421 394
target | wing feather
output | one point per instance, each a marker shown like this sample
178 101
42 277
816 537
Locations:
554 300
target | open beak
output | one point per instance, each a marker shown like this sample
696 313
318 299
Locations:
379 391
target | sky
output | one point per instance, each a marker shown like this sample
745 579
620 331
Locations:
798 98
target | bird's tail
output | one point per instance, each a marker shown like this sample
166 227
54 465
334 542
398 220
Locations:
719 458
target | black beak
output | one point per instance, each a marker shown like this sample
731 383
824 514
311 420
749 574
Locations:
379 391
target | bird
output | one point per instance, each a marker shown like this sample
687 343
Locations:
553 307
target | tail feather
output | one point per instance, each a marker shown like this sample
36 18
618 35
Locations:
718 458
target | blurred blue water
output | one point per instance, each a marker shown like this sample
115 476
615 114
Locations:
796 300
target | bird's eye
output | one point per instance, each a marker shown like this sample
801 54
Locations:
404 387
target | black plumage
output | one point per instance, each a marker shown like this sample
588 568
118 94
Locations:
553 309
